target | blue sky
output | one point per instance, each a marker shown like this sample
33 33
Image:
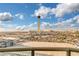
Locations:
23 16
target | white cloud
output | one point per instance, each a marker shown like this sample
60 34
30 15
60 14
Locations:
68 23
18 27
65 24
20 16
21 27
5 16
42 11
59 11
43 25
76 18
46 25
33 26
62 9
72 25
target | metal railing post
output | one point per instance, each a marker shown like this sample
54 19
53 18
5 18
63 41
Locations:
32 53
68 53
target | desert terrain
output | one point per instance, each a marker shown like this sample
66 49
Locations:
43 39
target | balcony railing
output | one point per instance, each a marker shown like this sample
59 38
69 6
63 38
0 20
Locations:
33 49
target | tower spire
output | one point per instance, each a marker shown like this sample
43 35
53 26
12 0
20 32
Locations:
38 23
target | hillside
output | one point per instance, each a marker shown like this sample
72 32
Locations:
44 36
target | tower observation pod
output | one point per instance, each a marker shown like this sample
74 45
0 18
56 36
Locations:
38 23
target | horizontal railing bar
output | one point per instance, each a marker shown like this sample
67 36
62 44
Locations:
74 49
33 49
38 49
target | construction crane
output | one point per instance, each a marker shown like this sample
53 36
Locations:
38 23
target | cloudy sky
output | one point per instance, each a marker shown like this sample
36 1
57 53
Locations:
23 16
